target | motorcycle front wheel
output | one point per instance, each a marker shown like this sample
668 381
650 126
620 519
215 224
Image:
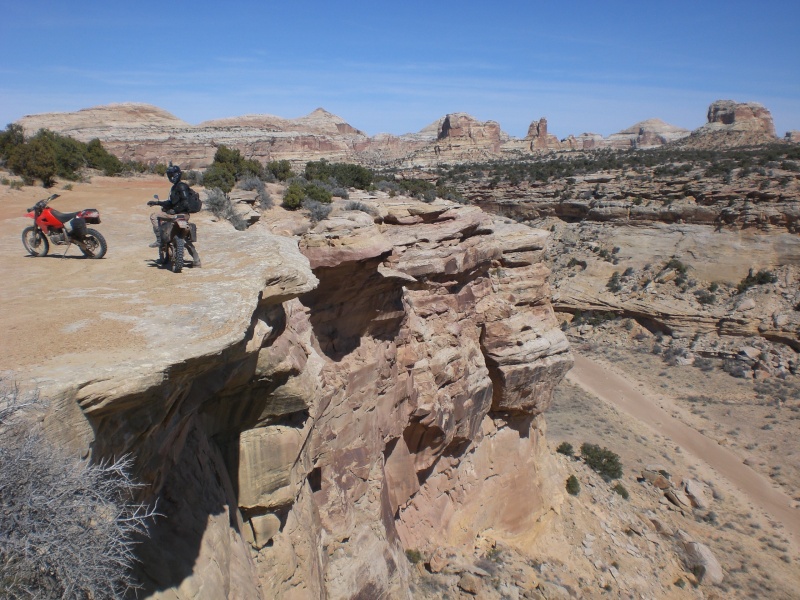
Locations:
93 244
35 242
178 244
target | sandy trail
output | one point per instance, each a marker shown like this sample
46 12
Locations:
618 391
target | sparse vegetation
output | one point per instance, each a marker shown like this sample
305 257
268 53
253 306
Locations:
317 211
614 284
370 210
67 527
300 190
229 167
566 449
602 460
280 169
414 556
220 204
573 486
254 183
763 277
47 155
620 489
345 174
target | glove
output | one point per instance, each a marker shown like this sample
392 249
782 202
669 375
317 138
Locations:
170 212
152 203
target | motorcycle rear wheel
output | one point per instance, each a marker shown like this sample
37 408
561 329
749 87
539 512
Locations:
35 242
93 244
178 244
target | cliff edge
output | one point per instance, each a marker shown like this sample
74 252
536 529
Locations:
303 408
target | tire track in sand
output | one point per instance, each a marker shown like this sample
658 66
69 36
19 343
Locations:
618 391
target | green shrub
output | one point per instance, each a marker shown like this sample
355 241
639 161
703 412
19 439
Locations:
413 556
98 157
602 460
346 174
317 193
620 489
761 278
566 449
9 139
677 265
293 196
281 170
573 486
705 297
613 284
220 176
34 160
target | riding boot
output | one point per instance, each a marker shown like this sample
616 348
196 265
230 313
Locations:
157 243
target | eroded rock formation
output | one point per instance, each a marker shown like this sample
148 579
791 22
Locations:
148 134
379 388
734 124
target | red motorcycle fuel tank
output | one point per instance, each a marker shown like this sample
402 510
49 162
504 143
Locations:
46 220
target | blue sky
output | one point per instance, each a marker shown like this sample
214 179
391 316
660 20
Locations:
397 67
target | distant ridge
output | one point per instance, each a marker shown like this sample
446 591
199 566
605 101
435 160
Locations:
142 132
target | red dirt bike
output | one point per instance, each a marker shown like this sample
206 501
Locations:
177 237
62 229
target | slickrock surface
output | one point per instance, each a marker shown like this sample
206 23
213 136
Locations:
305 408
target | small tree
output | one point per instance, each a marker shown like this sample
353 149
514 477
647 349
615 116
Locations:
34 160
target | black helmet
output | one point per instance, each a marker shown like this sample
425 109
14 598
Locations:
174 173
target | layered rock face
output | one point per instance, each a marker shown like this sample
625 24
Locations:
148 134
460 138
735 124
384 392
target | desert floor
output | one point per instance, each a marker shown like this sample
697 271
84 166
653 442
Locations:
706 426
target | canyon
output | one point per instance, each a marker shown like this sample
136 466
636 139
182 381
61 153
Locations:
368 406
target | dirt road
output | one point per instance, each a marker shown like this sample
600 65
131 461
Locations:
618 391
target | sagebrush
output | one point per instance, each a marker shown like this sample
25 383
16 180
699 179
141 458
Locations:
68 528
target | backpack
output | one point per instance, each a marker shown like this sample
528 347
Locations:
195 205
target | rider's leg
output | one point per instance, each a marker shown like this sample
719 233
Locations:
156 230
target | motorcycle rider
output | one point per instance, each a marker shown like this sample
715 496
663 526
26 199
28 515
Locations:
177 203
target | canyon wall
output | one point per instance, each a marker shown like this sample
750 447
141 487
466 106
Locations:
375 386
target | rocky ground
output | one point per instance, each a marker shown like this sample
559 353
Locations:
740 390
689 284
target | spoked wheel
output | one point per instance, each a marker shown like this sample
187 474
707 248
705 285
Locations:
35 242
93 244
178 244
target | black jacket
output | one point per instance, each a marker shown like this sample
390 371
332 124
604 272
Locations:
178 199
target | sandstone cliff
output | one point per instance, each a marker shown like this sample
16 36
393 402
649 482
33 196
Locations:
305 410
734 124
148 134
